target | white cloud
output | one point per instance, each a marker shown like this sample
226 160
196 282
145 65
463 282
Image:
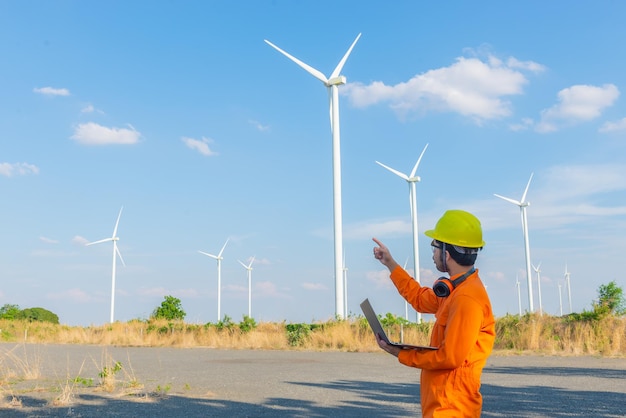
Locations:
200 145
386 228
269 289
618 126
93 134
525 65
89 108
470 87
74 295
51 91
576 104
524 125
580 181
48 240
259 126
380 279
17 169
80 240
564 195
313 286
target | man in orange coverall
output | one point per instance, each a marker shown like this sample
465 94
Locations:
464 328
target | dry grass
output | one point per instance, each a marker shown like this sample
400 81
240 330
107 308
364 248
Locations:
529 333
560 336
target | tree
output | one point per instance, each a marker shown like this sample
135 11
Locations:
610 299
170 309
38 314
9 311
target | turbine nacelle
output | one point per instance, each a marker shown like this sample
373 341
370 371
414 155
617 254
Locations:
336 81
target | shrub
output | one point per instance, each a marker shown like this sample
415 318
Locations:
170 309
297 334
37 314
247 324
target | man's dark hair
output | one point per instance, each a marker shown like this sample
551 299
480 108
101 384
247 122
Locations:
465 258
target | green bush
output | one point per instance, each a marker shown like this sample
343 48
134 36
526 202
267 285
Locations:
37 314
170 309
297 334
247 325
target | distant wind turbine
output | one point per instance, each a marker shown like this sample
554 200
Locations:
560 300
116 253
332 83
249 268
538 271
219 259
523 204
411 180
569 289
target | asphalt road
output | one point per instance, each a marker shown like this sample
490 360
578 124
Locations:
204 382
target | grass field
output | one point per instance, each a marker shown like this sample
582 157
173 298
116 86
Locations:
534 333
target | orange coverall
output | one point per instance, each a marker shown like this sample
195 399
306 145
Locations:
464 333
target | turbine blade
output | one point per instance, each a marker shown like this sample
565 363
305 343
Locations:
515 202
100 241
344 59
222 250
244 266
117 250
418 161
396 172
526 190
117 222
251 261
315 73
210 255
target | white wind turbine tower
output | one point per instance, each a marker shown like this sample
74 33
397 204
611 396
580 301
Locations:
523 204
116 253
219 259
406 304
249 268
411 180
332 83
560 301
569 289
538 271
345 287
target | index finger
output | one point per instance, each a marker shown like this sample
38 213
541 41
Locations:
380 244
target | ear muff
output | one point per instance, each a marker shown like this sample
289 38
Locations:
444 286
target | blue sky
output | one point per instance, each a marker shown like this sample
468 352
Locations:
180 113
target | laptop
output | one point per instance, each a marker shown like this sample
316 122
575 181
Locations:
377 327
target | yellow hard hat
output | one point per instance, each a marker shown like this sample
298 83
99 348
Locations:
457 227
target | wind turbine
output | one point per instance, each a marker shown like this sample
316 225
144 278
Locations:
538 271
523 204
219 259
569 289
411 180
249 268
116 252
332 83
